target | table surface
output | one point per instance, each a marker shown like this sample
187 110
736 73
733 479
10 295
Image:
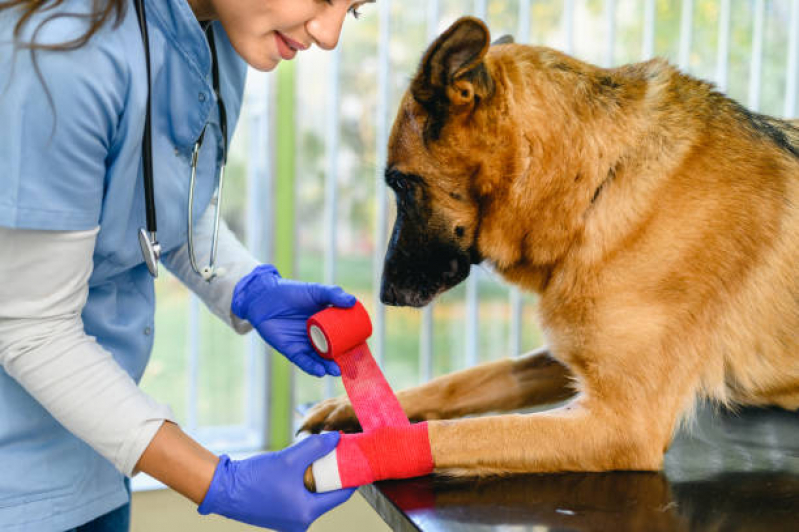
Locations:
728 471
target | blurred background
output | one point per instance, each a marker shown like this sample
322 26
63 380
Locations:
305 191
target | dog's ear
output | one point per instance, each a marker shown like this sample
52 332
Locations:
453 66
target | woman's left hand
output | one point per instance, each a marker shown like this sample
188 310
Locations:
279 309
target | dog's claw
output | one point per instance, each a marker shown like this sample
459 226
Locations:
330 414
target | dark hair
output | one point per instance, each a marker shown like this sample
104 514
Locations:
101 13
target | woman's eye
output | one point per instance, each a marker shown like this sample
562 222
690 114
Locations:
354 10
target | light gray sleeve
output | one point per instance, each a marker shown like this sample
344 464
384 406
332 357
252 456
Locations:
233 262
44 347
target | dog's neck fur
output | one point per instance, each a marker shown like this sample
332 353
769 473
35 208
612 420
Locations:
602 130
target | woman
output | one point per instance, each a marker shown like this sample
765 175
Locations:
76 297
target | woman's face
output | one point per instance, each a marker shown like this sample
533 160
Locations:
265 31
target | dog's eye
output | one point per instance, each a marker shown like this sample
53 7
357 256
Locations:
401 185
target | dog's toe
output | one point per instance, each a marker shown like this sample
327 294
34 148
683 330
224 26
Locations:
330 414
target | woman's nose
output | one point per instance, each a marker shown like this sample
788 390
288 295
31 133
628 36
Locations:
325 28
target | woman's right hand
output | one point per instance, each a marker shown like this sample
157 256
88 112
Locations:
268 491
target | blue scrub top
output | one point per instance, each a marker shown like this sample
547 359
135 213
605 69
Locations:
73 163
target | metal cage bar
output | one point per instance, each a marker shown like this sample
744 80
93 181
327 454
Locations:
516 301
723 48
791 80
427 330
648 40
568 26
757 54
472 291
381 198
259 241
194 363
610 25
331 178
686 34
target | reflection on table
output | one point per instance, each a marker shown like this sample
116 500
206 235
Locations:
726 471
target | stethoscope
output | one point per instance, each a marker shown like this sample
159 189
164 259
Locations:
148 240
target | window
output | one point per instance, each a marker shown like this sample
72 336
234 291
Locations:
344 102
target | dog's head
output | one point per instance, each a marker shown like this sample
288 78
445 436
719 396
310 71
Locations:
447 140
481 161
433 243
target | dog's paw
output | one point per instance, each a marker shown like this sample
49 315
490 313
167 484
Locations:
331 414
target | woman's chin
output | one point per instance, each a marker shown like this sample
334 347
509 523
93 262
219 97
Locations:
260 58
263 62
266 65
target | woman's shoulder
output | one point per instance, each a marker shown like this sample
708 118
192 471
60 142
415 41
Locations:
63 26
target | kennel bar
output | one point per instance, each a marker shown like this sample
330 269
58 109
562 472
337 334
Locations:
648 40
381 198
756 73
686 35
331 177
427 331
610 27
523 34
194 362
260 212
472 354
567 25
516 301
791 81
723 48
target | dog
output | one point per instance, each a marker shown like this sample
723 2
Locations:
656 219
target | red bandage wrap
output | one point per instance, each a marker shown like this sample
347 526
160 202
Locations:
389 447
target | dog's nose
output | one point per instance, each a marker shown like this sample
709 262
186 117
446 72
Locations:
453 270
388 294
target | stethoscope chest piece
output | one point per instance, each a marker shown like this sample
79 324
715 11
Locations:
150 250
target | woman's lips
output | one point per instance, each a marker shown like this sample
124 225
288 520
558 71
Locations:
286 50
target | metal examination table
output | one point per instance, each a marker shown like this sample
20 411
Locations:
728 472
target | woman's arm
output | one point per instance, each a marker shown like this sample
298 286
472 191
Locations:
233 262
179 462
44 347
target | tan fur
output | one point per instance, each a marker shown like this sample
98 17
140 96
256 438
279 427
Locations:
660 227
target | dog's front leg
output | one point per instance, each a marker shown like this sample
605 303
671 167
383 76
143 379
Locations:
578 437
508 384
536 378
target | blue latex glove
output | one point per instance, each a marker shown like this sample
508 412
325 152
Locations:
279 308
267 490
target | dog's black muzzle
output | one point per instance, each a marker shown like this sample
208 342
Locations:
417 267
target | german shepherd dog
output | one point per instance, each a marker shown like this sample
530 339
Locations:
657 220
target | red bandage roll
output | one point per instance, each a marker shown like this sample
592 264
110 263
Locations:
334 331
345 332
389 447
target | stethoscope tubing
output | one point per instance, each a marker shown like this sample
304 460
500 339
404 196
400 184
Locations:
151 249
147 142
210 271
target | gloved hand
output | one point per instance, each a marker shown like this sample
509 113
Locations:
268 491
278 309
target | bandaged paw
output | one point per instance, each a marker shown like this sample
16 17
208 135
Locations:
383 453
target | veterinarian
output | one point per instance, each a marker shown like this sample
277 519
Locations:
80 248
